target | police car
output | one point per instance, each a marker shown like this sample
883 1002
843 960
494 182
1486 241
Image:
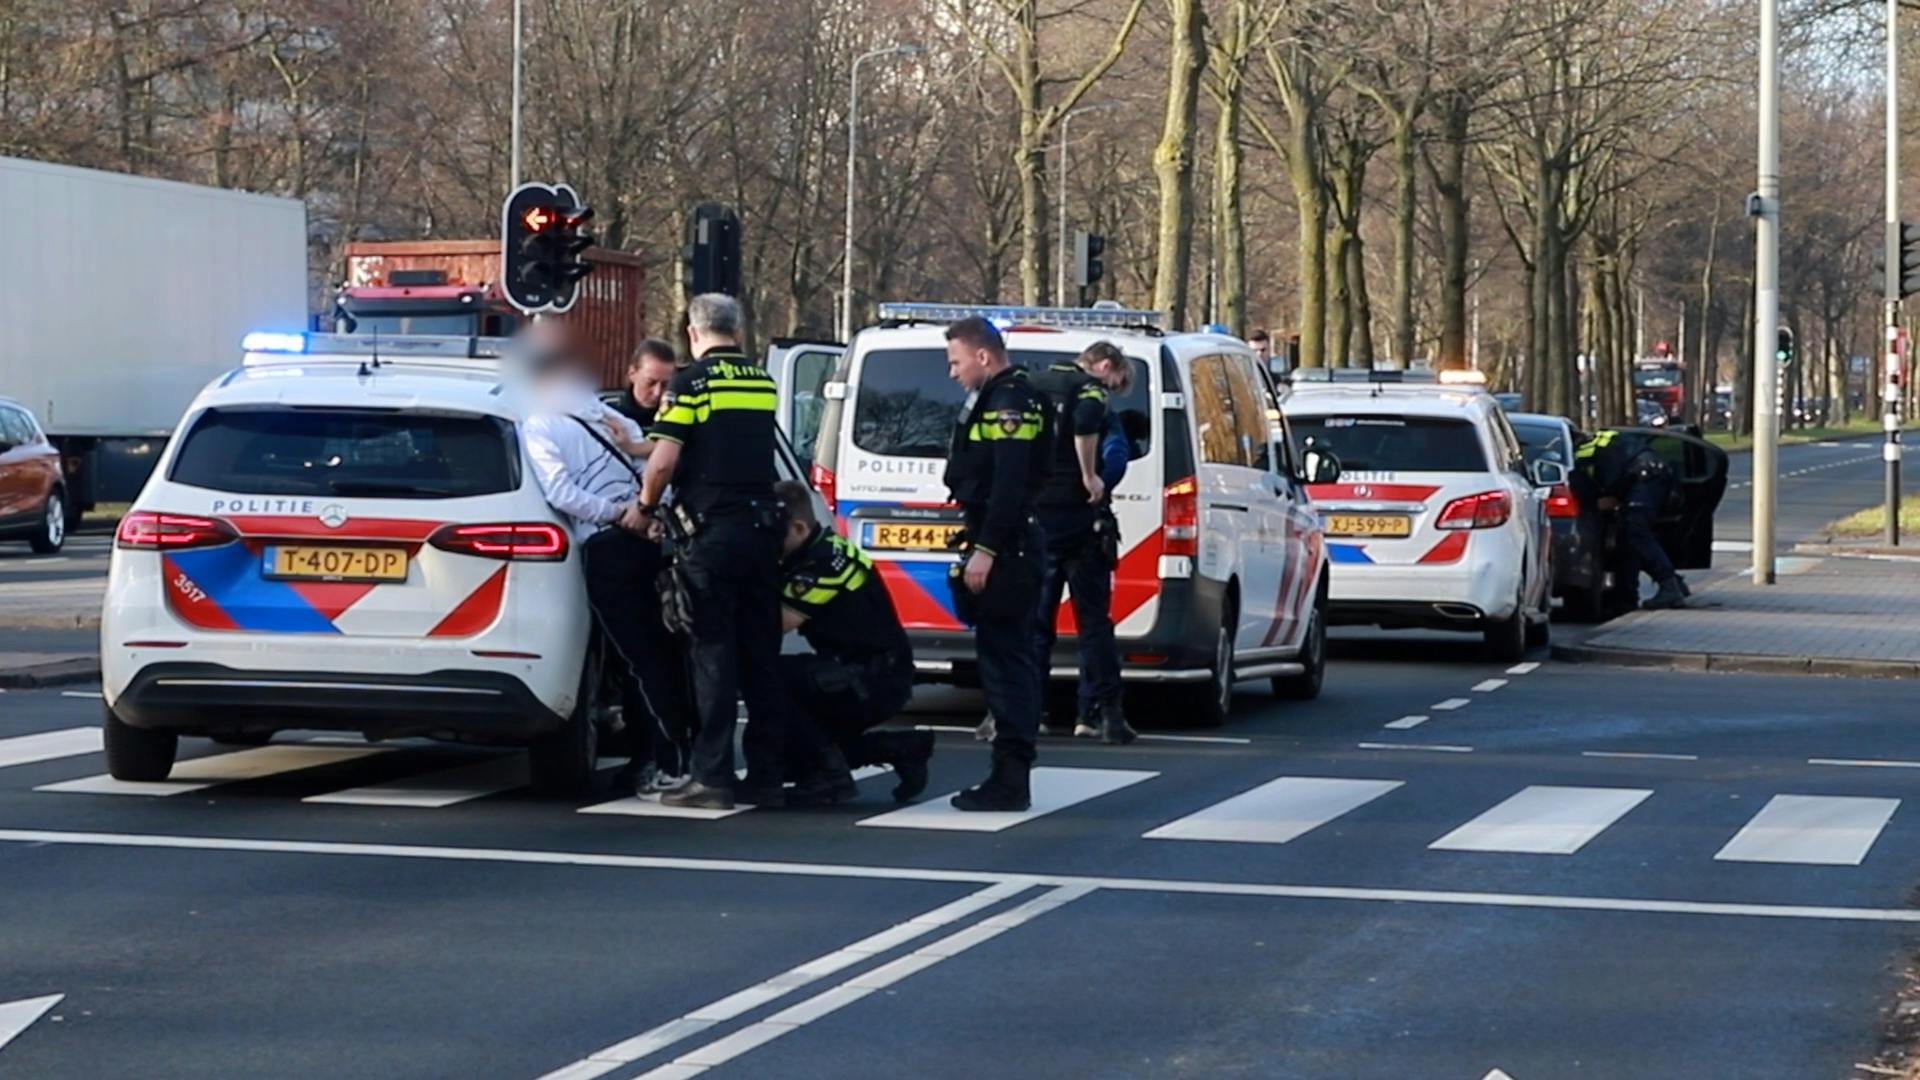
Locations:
1436 521
345 533
1222 571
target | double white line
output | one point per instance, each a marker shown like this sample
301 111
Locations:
720 1051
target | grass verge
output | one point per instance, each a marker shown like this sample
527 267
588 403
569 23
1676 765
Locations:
1872 521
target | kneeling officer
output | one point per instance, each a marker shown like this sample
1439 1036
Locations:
860 673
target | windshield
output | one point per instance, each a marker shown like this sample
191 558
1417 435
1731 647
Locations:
1394 443
906 404
349 452
1656 378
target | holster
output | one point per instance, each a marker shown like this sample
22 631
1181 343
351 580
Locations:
1013 586
1103 543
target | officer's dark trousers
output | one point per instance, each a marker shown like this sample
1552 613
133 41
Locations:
1073 564
839 703
1645 497
1010 672
732 572
622 573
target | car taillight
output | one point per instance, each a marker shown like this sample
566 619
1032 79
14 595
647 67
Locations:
530 541
1561 502
1180 518
1482 511
147 530
827 485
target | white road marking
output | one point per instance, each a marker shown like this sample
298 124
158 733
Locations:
1230 740
1733 546
18 1016
1407 722
1436 747
1497 1074
1487 686
1450 704
47 745
93 694
795 1017
1871 763
658 1038
845 871
205 772
1544 820
1053 789
651 806
1814 830
1637 756
955 728
444 787
1276 811
1524 669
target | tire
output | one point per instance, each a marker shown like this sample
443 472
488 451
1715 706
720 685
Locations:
1540 634
1588 605
1506 640
51 534
561 762
1209 704
1313 654
136 753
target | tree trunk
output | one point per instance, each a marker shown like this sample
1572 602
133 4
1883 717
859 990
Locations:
1029 160
1406 183
1450 187
1173 159
1360 304
1309 194
1229 225
1339 297
1743 371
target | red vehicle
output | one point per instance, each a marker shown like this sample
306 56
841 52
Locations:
1662 381
453 287
32 489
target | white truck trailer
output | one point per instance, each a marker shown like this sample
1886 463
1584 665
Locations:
121 296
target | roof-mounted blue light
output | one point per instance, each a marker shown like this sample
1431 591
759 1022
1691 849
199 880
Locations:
272 341
1005 315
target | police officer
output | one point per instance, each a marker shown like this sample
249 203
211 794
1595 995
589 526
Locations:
860 672
714 440
995 466
1621 467
650 370
1082 540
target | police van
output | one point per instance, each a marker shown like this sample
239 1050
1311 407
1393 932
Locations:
1222 574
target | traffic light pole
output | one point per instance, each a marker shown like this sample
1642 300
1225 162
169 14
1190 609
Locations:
1765 209
1895 282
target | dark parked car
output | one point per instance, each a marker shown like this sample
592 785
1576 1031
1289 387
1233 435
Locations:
32 489
1579 534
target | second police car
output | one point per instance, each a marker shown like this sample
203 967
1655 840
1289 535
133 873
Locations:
1437 522
1222 573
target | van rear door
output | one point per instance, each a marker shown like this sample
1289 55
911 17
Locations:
801 371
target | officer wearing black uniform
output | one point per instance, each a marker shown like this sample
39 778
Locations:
1082 535
649 372
714 439
860 672
1621 466
995 466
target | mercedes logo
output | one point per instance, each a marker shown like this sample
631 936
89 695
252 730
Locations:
333 515
1361 490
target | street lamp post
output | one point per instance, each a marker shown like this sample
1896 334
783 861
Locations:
853 134
513 152
1766 286
1895 281
1060 239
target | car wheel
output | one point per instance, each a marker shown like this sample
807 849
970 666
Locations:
1506 640
562 761
1209 704
1313 656
52 531
1587 605
1540 634
136 753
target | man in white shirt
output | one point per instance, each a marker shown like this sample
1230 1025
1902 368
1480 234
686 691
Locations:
575 443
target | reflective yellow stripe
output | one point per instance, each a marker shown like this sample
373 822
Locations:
815 596
994 432
747 384
1093 391
743 401
678 413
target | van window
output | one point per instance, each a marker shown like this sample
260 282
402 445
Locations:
1228 410
377 454
810 369
1395 443
905 404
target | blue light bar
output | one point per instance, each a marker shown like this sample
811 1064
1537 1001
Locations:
1004 315
271 341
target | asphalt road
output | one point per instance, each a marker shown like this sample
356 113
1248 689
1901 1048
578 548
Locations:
1561 871
1819 484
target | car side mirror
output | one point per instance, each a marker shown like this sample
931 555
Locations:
1548 473
6 445
1319 466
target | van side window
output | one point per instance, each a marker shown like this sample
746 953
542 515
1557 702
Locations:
810 371
1228 414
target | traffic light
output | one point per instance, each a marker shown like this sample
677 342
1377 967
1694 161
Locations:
1783 347
543 243
1909 261
713 251
1087 265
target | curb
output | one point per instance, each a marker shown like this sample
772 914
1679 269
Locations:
85 621
83 669
1841 550
1746 663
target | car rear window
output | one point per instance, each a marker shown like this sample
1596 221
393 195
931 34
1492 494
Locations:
905 404
1543 442
1394 443
377 454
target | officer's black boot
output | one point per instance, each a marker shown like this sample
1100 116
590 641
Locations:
1669 596
908 753
1114 729
1684 591
1004 790
831 783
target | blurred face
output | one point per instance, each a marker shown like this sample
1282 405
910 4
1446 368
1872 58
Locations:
1111 373
796 538
970 367
649 380
1263 349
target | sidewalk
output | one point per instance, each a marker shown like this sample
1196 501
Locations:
1828 616
40 622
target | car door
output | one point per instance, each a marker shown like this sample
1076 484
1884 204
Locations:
1685 525
801 372
15 469
1530 509
1294 531
1237 506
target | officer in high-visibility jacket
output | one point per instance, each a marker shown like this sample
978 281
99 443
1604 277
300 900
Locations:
995 466
1624 471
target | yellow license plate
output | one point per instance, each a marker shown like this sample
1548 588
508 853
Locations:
1369 525
910 536
299 562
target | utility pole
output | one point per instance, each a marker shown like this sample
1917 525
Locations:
853 136
1895 281
1765 208
1060 228
513 153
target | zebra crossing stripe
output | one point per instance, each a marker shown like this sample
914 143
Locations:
199 773
47 745
1276 811
444 787
1053 789
1811 830
1544 820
